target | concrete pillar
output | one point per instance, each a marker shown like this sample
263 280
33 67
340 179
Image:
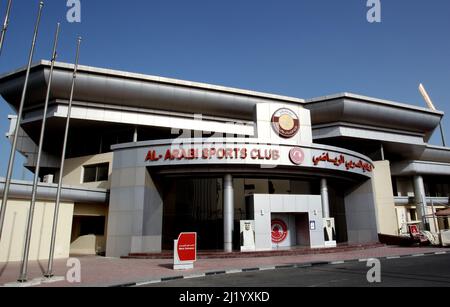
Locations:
360 214
228 213
421 201
325 201
135 135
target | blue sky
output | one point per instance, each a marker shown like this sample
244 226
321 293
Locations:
300 48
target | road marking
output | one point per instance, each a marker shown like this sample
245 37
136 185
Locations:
194 276
250 270
144 283
267 268
393 257
215 273
234 271
363 260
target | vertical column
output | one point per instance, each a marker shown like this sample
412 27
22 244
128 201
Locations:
228 213
135 135
421 201
325 201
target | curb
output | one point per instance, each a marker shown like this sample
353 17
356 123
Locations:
268 268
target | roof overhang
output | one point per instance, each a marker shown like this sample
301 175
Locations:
105 86
374 114
412 168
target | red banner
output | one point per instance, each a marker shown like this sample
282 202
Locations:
187 246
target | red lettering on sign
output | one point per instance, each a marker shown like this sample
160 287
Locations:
168 155
152 156
244 153
340 160
222 153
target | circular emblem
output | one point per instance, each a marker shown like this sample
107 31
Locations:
285 123
279 231
297 156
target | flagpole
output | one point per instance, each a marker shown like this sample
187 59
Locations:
49 272
17 127
5 25
26 251
42 135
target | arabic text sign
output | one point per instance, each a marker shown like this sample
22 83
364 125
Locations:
341 160
187 247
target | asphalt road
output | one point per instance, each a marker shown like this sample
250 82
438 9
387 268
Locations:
424 271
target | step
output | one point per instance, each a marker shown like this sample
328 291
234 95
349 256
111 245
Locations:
237 254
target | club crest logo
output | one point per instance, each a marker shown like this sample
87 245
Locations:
279 231
297 156
285 123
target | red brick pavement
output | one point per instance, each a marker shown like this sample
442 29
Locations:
100 271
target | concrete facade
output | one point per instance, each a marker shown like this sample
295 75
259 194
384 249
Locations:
264 206
11 247
74 170
384 198
361 214
372 155
135 211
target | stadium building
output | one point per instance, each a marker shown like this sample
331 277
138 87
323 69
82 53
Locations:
149 157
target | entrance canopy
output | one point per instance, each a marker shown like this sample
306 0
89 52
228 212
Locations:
241 152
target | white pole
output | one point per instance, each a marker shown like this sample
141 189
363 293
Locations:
44 120
5 25
228 213
49 272
24 266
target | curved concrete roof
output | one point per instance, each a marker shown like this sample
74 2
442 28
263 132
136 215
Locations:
436 154
356 109
434 160
112 87
137 90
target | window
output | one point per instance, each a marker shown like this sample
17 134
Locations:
413 214
96 172
92 225
87 225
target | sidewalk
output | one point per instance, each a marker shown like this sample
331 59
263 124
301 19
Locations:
102 272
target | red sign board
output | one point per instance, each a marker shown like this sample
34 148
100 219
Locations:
279 231
414 230
187 246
